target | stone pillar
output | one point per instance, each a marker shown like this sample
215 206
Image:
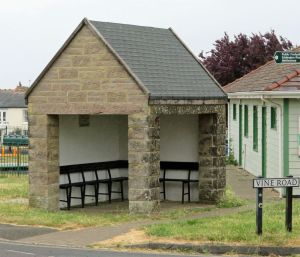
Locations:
144 161
212 172
44 161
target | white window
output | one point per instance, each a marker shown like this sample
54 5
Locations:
3 117
25 116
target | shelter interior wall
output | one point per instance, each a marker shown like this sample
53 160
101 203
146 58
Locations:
179 141
105 139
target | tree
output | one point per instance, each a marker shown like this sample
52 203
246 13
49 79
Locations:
231 59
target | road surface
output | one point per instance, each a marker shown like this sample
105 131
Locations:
13 249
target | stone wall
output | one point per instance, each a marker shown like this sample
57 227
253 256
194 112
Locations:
144 163
43 161
212 136
85 79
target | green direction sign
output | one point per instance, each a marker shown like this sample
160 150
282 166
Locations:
286 57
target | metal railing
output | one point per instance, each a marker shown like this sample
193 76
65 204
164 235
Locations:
13 159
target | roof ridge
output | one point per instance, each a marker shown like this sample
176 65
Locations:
90 25
126 24
285 79
248 74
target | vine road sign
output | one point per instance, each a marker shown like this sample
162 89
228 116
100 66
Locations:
286 57
275 182
288 182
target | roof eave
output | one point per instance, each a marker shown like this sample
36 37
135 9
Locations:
265 94
187 97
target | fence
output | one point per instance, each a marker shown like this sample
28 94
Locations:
7 130
13 159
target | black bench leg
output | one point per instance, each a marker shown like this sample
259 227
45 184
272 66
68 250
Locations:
182 197
96 194
164 189
82 190
121 187
109 188
189 191
69 193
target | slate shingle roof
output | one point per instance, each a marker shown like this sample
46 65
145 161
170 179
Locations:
156 58
11 99
266 77
160 61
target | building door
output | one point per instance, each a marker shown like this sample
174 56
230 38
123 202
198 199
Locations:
240 135
263 142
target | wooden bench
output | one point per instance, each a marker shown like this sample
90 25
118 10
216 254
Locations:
187 166
92 168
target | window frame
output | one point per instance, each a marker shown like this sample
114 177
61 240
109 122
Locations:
273 117
246 120
234 111
25 116
255 128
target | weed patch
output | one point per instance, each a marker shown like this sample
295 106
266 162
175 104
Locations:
230 200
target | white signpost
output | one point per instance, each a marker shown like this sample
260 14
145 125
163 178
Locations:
276 182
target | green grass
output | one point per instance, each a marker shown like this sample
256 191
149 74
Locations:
13 186
236 228
23 215
181 212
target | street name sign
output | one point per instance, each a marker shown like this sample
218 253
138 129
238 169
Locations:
289 183
276 182
286 57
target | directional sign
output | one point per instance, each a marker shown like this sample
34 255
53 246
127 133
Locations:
276 182
286 57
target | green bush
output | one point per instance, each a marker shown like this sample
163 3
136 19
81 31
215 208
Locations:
230 200
230 159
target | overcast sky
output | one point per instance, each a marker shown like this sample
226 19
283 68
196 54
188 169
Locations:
33 30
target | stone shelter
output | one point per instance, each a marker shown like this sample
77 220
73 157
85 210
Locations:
125 92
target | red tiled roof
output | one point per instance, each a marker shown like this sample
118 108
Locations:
268 77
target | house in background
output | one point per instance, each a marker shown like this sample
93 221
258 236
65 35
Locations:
264 120
13 112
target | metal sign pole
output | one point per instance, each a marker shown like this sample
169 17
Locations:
288 182
289 207
259 210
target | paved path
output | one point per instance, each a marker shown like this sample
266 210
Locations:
241 183
11 232
88 236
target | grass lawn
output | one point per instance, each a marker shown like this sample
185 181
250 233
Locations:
16 187
235 228
13 187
